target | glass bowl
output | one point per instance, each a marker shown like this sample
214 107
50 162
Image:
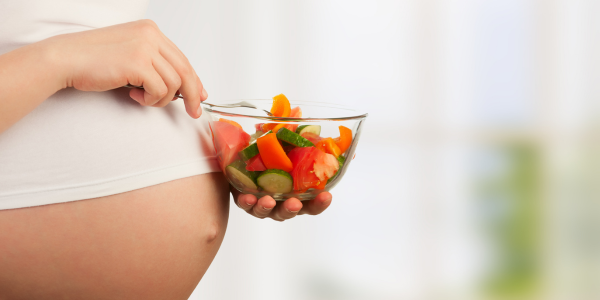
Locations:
228 143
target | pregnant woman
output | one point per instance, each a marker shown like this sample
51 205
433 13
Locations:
153 206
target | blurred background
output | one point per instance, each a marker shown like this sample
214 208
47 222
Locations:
478 171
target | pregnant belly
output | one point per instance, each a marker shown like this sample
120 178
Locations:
152 243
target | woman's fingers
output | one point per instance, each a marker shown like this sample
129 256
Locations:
191 88
246 202
170 78
287 209
154 87
280 211
263 208
317 205
203 93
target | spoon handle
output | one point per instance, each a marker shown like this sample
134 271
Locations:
241 104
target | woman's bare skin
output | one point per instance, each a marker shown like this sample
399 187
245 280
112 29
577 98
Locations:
152 243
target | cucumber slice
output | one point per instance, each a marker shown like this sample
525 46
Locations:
275 181
249 152
316 129
252 149
292 138
341 160
241 177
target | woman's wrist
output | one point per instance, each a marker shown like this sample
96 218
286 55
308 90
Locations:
55 61
28 76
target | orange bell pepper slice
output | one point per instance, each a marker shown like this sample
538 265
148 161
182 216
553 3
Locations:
279 126
268 126
234 123
272 153
345 139
281 106
273 127
327 145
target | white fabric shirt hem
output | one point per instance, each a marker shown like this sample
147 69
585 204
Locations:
111 186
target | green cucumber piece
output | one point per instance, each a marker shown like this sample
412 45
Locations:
275 181
316 129
252 149
293 138
249 152
241 177
341 160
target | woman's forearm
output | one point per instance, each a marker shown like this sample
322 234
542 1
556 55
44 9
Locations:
98 60
28 75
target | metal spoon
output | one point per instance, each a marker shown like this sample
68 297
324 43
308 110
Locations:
232 105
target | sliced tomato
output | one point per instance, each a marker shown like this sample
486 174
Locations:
314 138
296 113
303 159
234 123
255 164
228 141
288 148
326 165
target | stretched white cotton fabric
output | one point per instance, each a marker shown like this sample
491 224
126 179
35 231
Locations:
80 145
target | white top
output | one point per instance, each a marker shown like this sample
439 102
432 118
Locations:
80 145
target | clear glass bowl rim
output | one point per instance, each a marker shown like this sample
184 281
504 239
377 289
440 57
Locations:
210 108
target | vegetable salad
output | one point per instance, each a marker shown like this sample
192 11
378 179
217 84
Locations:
279 157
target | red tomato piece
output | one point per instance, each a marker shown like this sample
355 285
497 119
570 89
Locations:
314 138
228 141
326 165
312 168
256 164
234 123
295 113
303 159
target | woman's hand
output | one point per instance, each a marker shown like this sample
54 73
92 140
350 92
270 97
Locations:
135 53
267 207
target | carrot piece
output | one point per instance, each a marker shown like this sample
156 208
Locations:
272 153
281 106
273 127
327 145
268 126
277 127
345 139
234 123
